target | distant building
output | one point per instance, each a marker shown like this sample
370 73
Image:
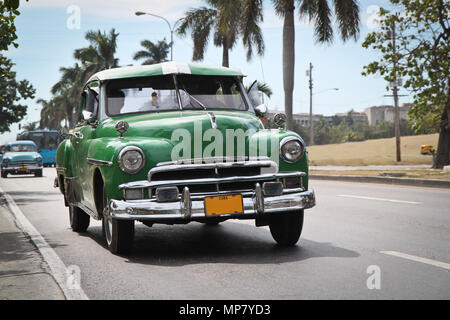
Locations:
386 113
371 115
356 116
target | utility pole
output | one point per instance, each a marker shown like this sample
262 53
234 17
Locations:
311 125
395 93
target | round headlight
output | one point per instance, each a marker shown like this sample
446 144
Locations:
131 159
291 149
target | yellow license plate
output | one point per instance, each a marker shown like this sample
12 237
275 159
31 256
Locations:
22 169
227 204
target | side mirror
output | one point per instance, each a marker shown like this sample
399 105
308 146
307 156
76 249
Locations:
261 110
253 94
64 133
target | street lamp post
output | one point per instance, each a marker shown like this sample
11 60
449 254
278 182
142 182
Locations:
171 28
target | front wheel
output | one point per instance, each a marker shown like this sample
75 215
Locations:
119 234
79 220
4 174
286 227
38 173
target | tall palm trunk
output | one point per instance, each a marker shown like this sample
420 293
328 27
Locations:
288 61
225 54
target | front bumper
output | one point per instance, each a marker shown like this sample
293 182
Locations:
193 209
28 169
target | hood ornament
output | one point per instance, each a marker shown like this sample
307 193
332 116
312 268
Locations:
122 127
279 120
212 118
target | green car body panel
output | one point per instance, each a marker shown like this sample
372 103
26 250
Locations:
152 133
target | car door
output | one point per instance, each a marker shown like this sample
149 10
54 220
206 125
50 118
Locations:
81 139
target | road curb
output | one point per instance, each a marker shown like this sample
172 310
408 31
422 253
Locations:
386 180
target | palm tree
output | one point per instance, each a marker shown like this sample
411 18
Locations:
52 114
30 126
68 89
153 53
100 53
226 21
319 12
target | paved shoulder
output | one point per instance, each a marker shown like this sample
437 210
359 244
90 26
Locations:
23 273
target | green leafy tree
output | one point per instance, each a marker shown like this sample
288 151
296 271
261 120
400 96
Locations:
11 94
226 21
320 12
153 52
8 13
422 58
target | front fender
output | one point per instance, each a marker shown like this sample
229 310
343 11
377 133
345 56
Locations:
65 157
267 143
107 149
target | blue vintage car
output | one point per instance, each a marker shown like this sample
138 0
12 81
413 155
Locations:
21 157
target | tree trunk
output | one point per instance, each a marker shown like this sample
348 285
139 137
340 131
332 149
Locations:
288 61
225 58
443 152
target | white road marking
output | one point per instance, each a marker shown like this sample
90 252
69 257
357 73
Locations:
58 269
378 199
418 259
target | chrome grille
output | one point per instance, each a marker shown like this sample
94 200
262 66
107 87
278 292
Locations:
207 176
20 163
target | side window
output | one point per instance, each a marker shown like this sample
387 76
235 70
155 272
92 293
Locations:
89 104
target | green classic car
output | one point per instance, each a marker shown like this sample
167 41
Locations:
178 142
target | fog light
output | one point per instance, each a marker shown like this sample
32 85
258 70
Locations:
166 194
291 183
272 188
134 194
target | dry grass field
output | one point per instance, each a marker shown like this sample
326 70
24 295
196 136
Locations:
372 152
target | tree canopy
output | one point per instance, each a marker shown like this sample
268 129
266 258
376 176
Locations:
422 32
11 94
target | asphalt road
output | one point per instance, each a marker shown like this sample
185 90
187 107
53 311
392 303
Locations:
361 241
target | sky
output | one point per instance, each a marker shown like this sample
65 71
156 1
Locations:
50 30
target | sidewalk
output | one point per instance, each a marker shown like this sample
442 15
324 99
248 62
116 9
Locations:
23 273
371 167
375 174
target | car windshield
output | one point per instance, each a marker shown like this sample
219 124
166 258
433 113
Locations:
141 95
153 94
211 92
21 148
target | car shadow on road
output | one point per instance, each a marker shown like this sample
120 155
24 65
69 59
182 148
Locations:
28 197
237 243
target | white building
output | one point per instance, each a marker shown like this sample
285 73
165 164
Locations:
386 113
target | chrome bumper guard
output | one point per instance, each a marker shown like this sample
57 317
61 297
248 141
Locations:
192 208
29 168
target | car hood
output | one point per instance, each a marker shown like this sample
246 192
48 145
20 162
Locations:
21 156
163 124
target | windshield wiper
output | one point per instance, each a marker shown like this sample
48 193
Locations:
193 98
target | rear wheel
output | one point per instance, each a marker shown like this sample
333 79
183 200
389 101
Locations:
119 234
286 227
79 220
4 175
